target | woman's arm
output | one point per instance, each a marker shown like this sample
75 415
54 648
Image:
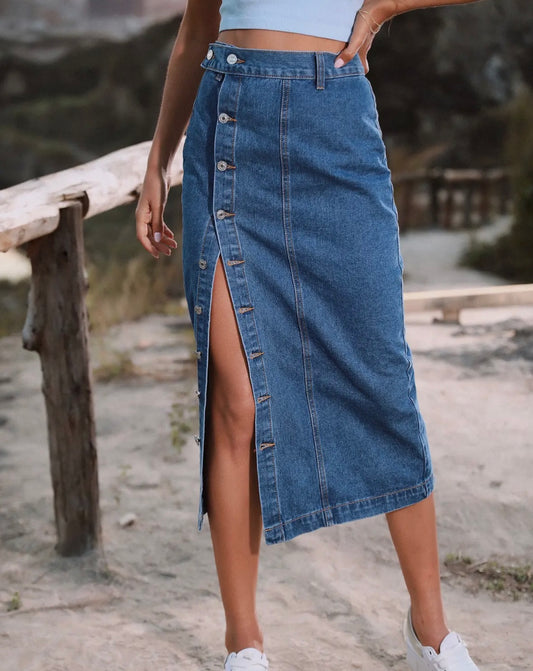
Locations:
373 15
199 26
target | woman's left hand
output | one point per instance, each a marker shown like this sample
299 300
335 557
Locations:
368 21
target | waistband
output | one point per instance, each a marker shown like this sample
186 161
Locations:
317 65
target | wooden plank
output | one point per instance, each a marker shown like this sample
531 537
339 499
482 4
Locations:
57 328
19 227
457 299
100 185
451 175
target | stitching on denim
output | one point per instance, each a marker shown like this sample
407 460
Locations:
298 297
408 367
280 526
319 64
199 275
266 408
202 400
234 140
283 75
253 323
414 488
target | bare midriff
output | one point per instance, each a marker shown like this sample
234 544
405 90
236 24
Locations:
258 38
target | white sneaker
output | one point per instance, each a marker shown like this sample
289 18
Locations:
453 655
247 659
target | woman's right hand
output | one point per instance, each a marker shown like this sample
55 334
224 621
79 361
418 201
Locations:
152 232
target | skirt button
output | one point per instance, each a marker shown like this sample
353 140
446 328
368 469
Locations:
232 59
202 263
198 309
223 117
222 165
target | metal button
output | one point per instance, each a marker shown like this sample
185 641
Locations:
202 263
209 54
222 165
198 309
197 439
221 214
198 354
232 59
223 117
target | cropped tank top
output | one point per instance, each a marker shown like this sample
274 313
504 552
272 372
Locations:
311 17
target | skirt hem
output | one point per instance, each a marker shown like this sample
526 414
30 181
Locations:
345 512
348 512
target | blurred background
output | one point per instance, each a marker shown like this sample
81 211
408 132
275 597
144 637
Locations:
81 78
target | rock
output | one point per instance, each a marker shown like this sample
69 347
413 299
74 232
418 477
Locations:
128 520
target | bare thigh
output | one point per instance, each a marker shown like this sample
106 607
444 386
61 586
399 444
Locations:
230 406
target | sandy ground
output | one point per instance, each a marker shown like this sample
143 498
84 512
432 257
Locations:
331 599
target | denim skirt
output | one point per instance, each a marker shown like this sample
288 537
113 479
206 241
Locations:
286 179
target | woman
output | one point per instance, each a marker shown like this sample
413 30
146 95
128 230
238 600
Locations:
293 279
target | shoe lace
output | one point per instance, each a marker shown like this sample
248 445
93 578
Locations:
446 660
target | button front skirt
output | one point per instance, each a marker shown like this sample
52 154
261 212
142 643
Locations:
286 179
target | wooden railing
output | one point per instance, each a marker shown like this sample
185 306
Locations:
450 302
451 198
46 215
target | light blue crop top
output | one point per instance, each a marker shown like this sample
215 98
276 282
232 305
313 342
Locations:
311 17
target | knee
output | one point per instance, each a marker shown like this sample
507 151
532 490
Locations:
233 416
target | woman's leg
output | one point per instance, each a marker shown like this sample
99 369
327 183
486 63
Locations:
232 491
414 534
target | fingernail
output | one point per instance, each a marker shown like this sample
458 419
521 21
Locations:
338 63
157 236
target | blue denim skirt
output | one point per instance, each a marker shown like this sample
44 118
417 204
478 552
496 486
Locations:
286 179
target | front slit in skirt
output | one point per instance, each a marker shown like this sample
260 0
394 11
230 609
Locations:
286 179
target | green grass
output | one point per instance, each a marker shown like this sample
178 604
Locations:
508 581
114 365
125 281
511 254
14 603
180 426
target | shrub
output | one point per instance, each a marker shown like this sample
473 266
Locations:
511 255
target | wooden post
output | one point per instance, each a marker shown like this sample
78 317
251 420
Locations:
57 328
434 186
485 198
406 208
505 194
449 206
468 193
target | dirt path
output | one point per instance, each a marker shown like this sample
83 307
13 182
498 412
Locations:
332 599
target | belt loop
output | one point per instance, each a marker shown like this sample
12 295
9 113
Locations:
319 78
